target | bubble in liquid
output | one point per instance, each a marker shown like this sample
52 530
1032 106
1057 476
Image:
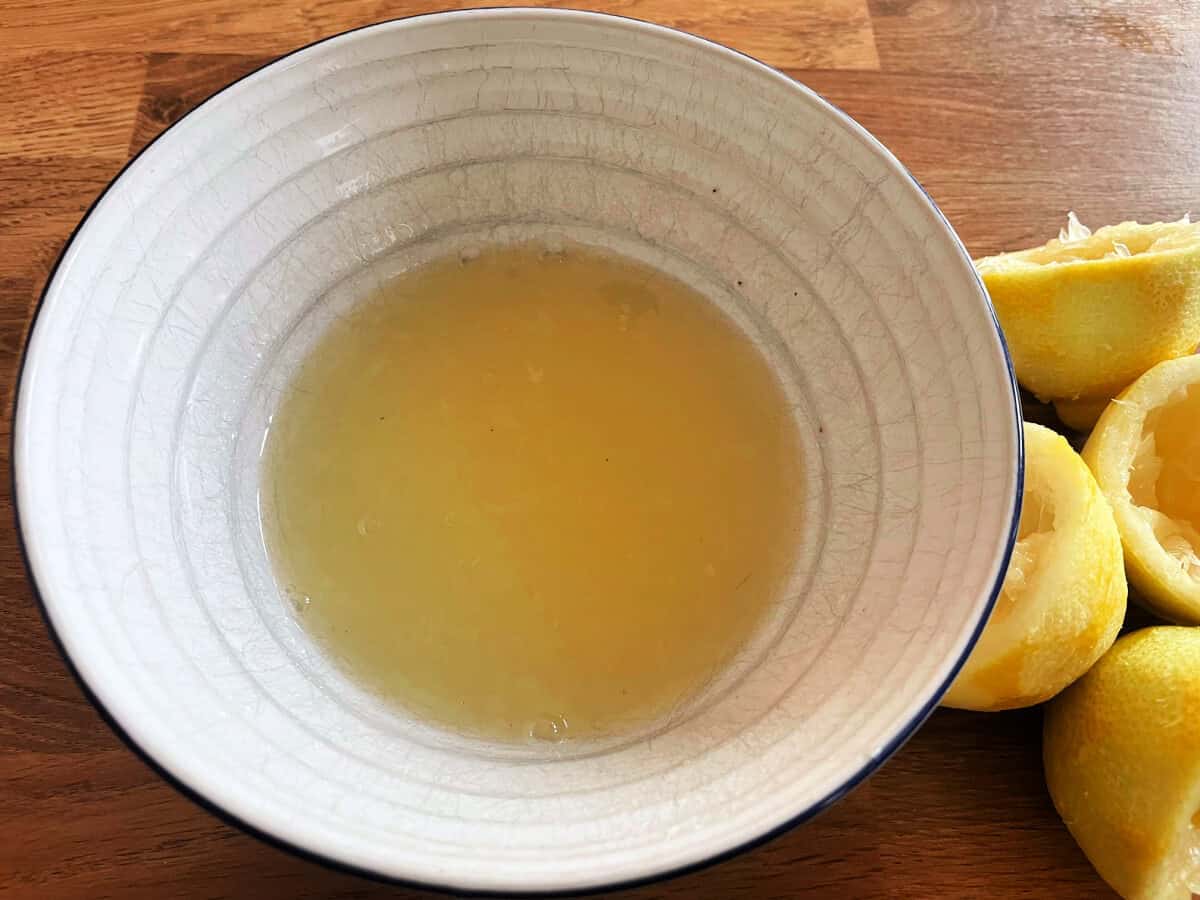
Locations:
300 602
551 729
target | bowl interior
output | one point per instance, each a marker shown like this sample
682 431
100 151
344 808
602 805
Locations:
203 276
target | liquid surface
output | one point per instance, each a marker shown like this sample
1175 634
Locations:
533 495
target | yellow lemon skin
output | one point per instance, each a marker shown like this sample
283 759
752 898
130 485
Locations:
1145 454
1064 594
1121 750
1082 322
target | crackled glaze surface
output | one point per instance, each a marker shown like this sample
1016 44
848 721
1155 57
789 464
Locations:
210 267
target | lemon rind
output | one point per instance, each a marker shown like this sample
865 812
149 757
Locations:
1110 453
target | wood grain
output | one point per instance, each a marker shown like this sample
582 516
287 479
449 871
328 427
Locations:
826 33
1009 113
88 113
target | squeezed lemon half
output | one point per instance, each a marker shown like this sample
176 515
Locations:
1087 313
1122 754
1145 453
1063 598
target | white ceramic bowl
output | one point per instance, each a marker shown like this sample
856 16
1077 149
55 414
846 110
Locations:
198 280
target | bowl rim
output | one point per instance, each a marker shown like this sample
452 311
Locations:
582 886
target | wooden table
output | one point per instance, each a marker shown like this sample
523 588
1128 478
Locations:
1010 113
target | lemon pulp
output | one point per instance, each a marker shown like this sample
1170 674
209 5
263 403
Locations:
1143 452
1033 536
1064 593
1191 862
1164 481
1078 243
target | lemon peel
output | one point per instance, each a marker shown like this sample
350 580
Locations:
1145 454
1063 598
1121 749
1087 313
